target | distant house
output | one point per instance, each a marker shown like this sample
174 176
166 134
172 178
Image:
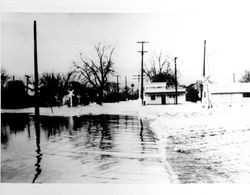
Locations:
158 93
226 94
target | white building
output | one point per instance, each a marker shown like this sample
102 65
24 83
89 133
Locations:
159 93
234 93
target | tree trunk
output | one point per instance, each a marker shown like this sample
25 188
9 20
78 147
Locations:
100 96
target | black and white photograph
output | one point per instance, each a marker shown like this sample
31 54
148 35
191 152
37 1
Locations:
126 97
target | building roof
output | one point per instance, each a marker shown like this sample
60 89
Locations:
161 87
229 88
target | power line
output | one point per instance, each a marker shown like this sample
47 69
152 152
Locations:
137 77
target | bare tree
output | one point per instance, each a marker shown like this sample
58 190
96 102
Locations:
4 78
160 69
53 87
246 77
96 72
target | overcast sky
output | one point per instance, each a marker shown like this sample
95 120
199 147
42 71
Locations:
61 37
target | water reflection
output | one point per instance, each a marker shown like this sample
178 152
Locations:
90 147
28 127
142 139
10 123
38 150
99 129
54 125
4 137
141 130
7 121
106 139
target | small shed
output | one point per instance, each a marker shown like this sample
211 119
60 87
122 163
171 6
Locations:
159 93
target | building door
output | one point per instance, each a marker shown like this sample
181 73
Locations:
163 99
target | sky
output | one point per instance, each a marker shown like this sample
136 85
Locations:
63 36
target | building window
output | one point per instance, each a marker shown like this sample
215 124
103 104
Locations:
246 95
152 97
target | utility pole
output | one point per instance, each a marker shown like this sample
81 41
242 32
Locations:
204 60
176 83
204 68
234 77
204 77
132 88
117 80
37 123
36 72
27 83
126 88
137 77
142 53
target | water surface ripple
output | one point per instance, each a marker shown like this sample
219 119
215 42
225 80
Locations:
79 149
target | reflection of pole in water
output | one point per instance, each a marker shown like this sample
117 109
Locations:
89 139
142 140
38 150
29 128
126 122
105 142
71 125
90 124
141 130
117 121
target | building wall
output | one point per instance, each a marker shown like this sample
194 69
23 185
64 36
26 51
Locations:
181 98
232 94
246 99
169 99
154 102
226 98
229 98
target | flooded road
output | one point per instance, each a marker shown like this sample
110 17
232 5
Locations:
79 149
123 149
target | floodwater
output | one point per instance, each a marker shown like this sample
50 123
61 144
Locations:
121 149
79 149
